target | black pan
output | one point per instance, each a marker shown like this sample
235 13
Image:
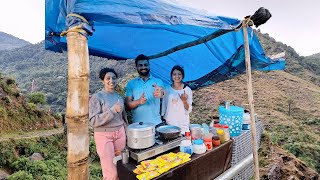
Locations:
168 131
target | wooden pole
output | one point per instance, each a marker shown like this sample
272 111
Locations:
77 107
251 103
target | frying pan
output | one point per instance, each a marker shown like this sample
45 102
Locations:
168 131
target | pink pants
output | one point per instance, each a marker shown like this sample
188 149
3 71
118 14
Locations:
108 143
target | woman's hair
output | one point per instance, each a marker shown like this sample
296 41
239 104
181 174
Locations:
179 68
104 71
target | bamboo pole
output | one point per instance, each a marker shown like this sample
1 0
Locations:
77 107
251 103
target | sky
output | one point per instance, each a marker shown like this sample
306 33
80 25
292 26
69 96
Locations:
293 22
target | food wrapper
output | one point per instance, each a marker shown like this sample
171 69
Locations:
137 171
150 164
148 175
184 156
164 169
176 162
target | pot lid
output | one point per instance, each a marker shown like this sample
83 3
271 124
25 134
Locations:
141 126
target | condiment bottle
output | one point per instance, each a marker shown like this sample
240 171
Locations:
208 141
221 135
216 141
187 134
226 132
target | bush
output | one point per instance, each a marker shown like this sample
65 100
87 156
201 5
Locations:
36 98
20 175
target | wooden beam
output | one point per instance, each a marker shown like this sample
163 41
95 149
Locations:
251 102
77 107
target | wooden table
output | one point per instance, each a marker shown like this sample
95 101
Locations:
204 166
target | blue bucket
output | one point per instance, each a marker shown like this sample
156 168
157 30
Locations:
233 118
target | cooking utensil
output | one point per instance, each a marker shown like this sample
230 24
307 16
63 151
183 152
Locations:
169 131
140 135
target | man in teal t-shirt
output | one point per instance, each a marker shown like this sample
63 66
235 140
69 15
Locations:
143 94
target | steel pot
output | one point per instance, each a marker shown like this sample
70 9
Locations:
140 135
169 132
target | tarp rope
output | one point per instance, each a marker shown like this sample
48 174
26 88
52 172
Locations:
80 28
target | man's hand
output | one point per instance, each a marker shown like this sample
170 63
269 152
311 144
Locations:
142 99
184 97
157 93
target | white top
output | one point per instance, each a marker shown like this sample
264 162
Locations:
173 109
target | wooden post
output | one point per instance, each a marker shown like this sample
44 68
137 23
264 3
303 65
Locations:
77 107
251 103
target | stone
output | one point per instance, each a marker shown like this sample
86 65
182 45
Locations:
35 156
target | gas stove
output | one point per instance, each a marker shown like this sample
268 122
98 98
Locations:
159 147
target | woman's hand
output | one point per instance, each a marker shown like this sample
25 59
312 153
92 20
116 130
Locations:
184 97
117 106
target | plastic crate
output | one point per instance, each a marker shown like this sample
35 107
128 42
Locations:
233 118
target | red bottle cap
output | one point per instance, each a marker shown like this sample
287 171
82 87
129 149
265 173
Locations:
187 134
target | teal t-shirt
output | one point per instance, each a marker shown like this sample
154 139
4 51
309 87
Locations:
150 111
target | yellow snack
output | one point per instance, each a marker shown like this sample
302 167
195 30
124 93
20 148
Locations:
164 159
176 162
148 175
137 171
163 169
149 164
183 155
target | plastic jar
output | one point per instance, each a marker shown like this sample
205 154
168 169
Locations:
226 132
208 142
199 147
186 147
215 141
196 132
215 128
221 135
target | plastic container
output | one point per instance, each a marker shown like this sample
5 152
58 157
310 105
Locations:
225 129
208 141
246 121
199 147
186 147
221 135
233 118
215 141
196 132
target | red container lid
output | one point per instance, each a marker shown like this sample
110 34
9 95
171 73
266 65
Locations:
225 126
216 125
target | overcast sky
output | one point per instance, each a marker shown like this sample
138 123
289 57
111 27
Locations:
293 22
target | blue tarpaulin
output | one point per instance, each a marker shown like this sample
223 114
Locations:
127 28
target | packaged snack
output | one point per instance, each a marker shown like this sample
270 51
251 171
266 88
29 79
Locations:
148 175
164 169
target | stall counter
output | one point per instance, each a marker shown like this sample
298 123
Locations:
204 166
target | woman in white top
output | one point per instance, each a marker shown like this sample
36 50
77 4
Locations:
177 103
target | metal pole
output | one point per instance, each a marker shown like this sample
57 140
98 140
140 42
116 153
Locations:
234 170
251 103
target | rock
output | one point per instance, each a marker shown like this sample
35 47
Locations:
35 156
3 174
274 172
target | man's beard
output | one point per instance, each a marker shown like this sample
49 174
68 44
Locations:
146 73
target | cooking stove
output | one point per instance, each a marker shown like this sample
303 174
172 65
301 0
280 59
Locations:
161 145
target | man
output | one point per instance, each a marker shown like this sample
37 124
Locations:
143 94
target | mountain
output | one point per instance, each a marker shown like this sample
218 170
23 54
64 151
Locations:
47 71
297 86
17 114
304 67
8 42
